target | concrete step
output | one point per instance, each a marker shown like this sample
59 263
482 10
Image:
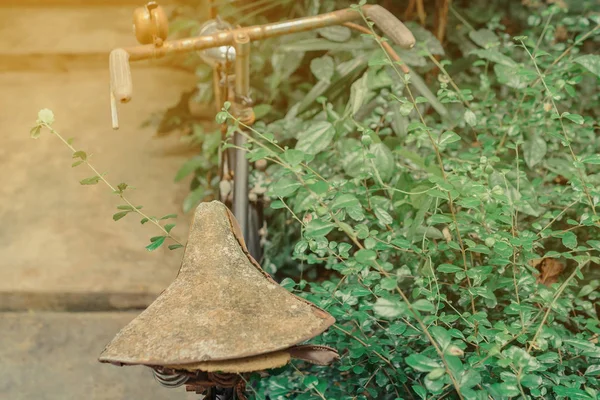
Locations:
53 356
58 241
90 3
67 37
65 30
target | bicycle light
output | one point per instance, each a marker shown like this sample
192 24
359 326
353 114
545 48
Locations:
216 55
150 24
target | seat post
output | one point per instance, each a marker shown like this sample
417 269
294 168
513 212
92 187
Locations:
242 110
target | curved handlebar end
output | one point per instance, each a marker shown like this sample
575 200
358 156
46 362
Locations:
120 75
391 26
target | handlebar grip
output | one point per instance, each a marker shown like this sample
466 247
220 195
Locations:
120 75
391 26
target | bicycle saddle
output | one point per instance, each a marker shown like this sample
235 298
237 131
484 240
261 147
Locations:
223 312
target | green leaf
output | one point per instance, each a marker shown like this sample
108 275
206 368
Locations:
531 381
406 108
436 374
119 215
344 201
593 159
365 256
316 138
358 94
168 216
470 118
384 160
506 389
441 335
90 181
447 138
190 166
46 116
288 283
591 62
593 370
469 379
168 227
262 110
382 216
422 363
322 68
318 228
508 75
175 246
439 219
420 391
193 198
484 37
293 157
571 393
569 240
495 56
121 187
80 154
423 305
397 329
144 220
335 33
534 150
221 117
389 309
586 290
285 187
76 163
34 133
576 118
300 246
449 268
319 187
156 243
389 283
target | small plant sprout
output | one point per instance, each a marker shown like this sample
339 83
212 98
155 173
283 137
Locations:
45 120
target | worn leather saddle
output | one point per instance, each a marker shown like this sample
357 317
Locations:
222 315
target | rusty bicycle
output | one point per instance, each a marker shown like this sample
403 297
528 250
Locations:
223 316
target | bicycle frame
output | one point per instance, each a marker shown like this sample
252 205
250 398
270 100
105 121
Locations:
241 39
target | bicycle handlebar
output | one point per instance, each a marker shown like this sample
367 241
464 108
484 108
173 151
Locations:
120 74
391 26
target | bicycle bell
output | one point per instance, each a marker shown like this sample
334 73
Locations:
216 55
150 24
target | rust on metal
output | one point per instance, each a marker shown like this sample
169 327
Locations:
221 306
254 33
201 384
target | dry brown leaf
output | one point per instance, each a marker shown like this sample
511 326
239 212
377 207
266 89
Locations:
447 234
561 34
549 268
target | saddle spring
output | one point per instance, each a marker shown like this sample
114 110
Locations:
169 379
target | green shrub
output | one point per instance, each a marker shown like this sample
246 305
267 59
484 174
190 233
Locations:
454 238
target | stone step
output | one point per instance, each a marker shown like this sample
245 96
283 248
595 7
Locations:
65 30
53 356
67 38
89 3
58 241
